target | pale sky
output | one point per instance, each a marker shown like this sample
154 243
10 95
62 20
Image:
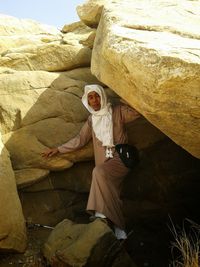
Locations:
51 12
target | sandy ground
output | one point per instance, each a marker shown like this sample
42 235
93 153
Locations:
32 256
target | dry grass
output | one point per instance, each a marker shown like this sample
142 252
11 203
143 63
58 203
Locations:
186 245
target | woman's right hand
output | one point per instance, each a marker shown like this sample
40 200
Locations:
50 152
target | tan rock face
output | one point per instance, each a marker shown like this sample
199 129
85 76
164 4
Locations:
29 45
50 57
49 207
12 224
84 245
35 102
13 26
16 33
61 194
90 12
23 98
78 33
40 110
154 64
26 177
82 238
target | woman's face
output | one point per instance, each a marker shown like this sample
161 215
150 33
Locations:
94 100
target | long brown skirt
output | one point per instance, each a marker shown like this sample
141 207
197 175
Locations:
105 190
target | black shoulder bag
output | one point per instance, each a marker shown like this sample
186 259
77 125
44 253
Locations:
128 154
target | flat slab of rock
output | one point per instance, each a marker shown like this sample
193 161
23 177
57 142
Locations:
27 177
154 64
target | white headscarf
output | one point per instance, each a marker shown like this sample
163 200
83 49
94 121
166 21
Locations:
102 119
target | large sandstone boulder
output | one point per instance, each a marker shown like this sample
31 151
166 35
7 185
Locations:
39 110
29 45
89 245
78 33
49 57
10 26
12 224
90 12
17 33
148 53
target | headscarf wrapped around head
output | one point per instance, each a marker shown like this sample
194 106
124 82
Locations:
102 119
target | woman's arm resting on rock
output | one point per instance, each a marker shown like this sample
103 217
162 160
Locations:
73 144
79 140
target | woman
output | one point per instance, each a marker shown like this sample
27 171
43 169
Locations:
105 126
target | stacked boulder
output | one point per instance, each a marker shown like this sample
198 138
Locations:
148 53
12 224
92 244
42 75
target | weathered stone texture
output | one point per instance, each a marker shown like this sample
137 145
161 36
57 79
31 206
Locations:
28 45
92 244
148 53
12 224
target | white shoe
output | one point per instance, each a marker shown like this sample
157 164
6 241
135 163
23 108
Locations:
99 215
119 233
